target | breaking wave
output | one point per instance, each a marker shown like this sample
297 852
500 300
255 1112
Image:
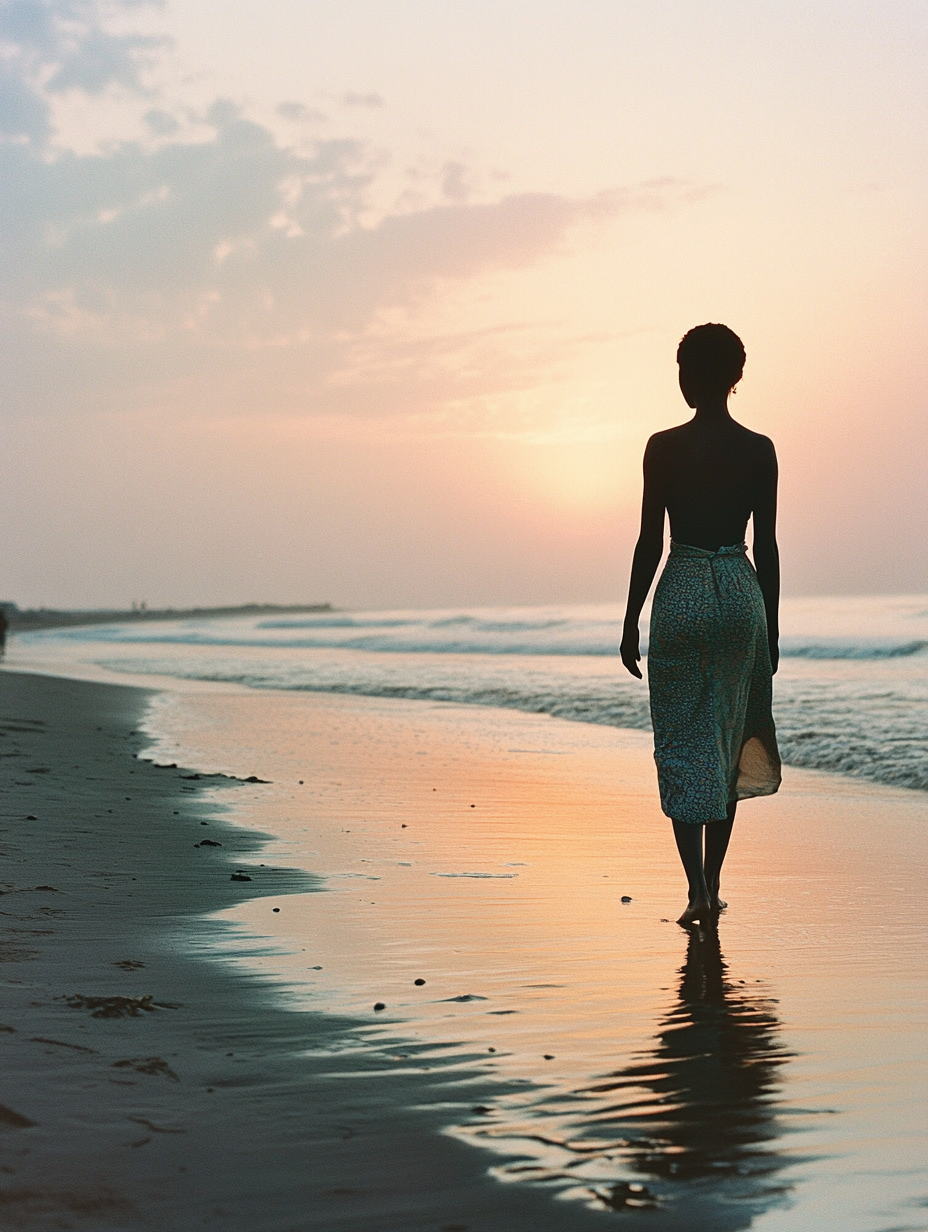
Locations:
851 695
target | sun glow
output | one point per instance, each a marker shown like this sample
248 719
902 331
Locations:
576 476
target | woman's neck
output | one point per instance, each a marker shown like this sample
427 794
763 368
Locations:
712 409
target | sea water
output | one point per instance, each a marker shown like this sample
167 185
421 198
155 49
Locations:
851 695
769 1078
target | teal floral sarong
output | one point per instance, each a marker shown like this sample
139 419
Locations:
711 684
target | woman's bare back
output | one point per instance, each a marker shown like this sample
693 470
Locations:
711 477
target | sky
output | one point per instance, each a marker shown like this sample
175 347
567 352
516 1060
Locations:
376 302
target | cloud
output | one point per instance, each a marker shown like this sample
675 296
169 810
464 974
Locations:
355 99
161 123
233 270
299 113
274 237
454 182
56 46
22 112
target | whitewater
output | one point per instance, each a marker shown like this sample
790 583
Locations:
851 695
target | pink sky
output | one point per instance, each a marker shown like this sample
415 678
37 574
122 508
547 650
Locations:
377 302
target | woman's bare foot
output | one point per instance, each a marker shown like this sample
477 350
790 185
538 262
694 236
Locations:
702 910
718 903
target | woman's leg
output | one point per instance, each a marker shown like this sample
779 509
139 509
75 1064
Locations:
718 834
689 845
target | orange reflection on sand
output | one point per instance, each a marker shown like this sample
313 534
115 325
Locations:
504 885
487 854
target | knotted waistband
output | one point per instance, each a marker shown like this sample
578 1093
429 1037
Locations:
687 550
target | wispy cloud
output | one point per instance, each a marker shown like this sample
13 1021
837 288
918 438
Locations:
299 113
355 98
54 46
163 270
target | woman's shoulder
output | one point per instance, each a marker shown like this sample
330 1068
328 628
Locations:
662 441
761 445
685 434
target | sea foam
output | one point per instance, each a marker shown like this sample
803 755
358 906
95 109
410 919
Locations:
851 695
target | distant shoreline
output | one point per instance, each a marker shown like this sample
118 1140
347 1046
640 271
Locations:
21 620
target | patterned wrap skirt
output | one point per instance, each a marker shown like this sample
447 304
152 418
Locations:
711 685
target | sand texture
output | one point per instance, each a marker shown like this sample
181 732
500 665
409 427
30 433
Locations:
205 1106
552 1051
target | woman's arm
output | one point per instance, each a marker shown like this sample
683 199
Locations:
648 552
766 553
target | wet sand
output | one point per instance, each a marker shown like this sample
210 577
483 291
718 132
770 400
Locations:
216 1108
571 1061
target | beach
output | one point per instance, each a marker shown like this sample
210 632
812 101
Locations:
420 424
185 1048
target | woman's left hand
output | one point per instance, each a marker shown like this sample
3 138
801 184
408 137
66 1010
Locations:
630 652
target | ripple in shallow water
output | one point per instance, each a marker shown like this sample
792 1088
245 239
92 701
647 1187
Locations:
692 1124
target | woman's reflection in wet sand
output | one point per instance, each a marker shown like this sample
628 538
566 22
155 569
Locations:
701 1123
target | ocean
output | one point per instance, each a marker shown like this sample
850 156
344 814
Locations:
851 695
499 894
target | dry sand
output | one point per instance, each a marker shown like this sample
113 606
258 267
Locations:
565 1045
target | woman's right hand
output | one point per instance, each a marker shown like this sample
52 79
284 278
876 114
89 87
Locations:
629 650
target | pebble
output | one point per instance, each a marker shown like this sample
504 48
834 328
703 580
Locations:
379 1005
626 898
239 877
275 908
419 982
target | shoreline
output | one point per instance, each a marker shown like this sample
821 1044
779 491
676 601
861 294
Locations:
209 1104
518 864
865 718
30 620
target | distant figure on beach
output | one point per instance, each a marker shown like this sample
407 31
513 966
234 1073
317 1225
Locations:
713 644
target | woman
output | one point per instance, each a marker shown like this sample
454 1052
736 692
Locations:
713 644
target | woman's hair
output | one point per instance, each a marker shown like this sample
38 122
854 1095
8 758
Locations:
714 354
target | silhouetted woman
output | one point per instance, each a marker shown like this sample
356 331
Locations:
713 644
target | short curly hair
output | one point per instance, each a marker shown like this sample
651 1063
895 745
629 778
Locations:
714 354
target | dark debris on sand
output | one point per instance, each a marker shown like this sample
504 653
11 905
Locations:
147 1065
118 1007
